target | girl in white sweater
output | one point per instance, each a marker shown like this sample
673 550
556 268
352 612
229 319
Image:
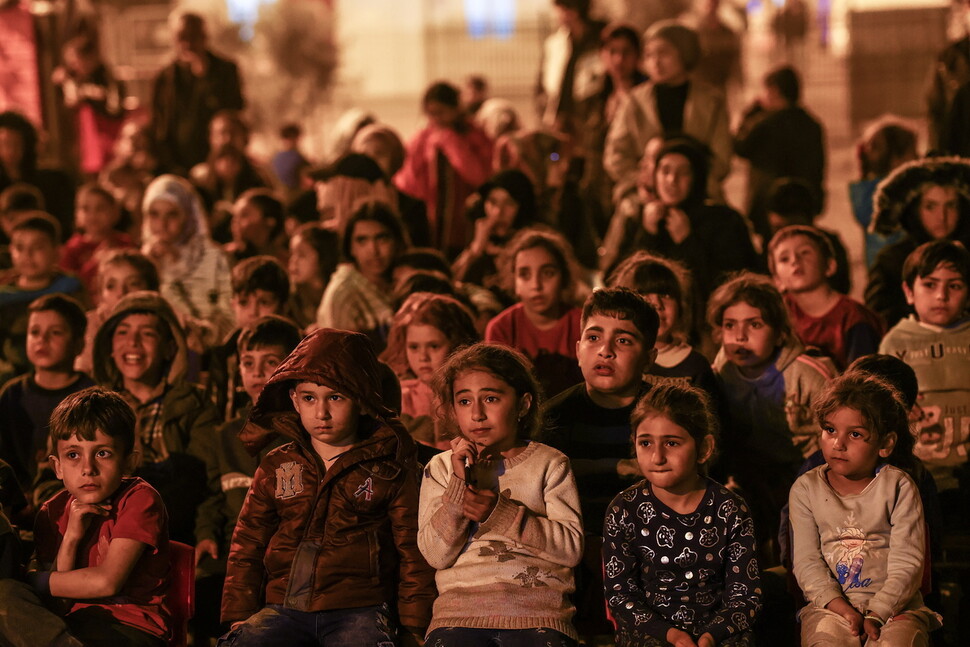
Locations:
499 516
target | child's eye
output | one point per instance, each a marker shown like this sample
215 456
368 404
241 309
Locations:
643 443
673 443
757 325
855 434
104 453
592 337
412 347
462 402
827 429
550 273
728 325
308 398
72 455
335 397
491 399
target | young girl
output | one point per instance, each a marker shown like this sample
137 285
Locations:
96 216
314 253
679 549
857 523
538 268
499 516
665 284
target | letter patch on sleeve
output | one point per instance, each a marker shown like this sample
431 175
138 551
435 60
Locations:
365 489
289 480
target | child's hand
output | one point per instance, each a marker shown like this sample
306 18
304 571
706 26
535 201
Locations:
206 547
478 504
706 640
871 626
653 215
678 225
842 607
679 638
80 518
464 453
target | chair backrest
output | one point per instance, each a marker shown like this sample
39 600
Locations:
180 599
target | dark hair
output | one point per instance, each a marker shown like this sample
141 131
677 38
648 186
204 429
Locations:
684 405
325 243
816 236
422 282
792 197
785 79
426 259
379 212
520 188
89 411
477 82
271 330
443 312
98 189
353 165
645 273
580 6
39 221
290 131
880 405
442 92
549 240
261 273
69 308
893 370
19 124
266 202
698 155
623 303
886 141
617 30
138 261
924 260
21 197
757 291
503 362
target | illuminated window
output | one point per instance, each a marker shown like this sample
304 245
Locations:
490 18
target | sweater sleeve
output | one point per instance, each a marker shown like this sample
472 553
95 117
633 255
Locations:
416 590
906 548
815 578
442 528
556 536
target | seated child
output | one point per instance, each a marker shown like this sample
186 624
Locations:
857 524
140 351
257 227
326 542
425 331
35 247
678 530
539 268
934 342
665 284
499 515
802 264
96 218
766 383
55 334
101 545
314 254
260 287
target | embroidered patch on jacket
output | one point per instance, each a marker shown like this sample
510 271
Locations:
289 480
365 489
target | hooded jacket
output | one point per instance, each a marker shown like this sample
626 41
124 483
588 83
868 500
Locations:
313 538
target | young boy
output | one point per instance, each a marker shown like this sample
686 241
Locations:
803 263
140 351
101 545
35 245
327 536
260 287
55 336
934 342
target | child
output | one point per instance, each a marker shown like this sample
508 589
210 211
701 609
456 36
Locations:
766 382
934 342
539 268
314 254
679 551
327 535
140 351
101 545
288 163
499 514
426 329
257 226
803 263
857 524
665 284
96 217
55 334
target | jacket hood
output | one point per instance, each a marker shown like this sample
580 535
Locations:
105 371
897 197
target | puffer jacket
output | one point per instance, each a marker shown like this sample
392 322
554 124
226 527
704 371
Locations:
313 538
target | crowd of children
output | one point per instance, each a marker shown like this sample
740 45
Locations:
401 400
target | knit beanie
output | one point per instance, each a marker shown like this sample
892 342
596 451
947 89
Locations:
683 38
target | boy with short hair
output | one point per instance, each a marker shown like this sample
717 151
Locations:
934 342
327 536
101 545
55 336
802 262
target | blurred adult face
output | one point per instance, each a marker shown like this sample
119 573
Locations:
674 179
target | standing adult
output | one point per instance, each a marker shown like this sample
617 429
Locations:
188 92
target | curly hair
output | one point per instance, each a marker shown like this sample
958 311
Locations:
443 312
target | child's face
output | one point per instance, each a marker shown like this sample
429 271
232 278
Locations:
800 266
612 355
661 60
939 210
304 263
249 225
166 221
442 115
373 248
427 349
250 306
538 281
939 298
668 310
851 449
328 416
117 280
488 410
668 455
139 349
674 179
33 254
500 211
50 341
91 469
256 365
748 340
619 56
94 214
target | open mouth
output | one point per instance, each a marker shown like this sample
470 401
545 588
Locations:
603 369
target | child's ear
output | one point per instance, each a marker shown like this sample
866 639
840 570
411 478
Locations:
56 464
908 291
293 399
888 444
651 357
830 268
132 462
525 403
706 450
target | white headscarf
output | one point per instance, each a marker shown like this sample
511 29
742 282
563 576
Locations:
195 233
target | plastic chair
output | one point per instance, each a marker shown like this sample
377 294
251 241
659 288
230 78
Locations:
180 598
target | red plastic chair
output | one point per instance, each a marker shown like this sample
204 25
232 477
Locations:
180 598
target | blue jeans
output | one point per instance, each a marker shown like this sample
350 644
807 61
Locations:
277 625
466 637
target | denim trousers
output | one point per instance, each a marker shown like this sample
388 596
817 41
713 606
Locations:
278 625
